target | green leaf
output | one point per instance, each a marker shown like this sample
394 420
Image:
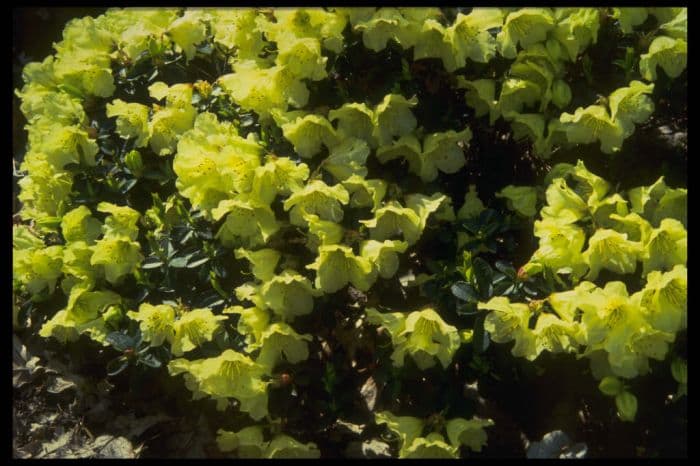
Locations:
481 339
150 361
178 262
117 366
465 292
151 262
483 276
121 341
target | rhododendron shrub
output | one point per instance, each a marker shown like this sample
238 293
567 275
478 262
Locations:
216 182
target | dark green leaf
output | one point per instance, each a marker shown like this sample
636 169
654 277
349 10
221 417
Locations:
178 262
222 340
483 274
126 185
197 262
481 337
529 291
490 229
506 268
154 174
170 249
211 299
73 167
465 292
488 216
429 288
120 341
204 234
151 262
188 236
499 289
329 378
153 75
117 365
150 361
491 245
471 225
219 270
467 309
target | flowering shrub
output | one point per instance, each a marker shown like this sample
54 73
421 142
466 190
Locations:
247 194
